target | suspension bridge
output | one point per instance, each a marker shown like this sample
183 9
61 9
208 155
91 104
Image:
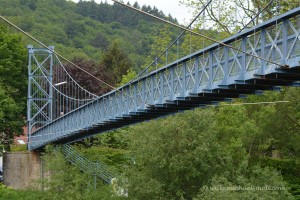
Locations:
263 57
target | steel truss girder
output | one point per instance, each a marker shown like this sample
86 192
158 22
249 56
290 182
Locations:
205 77
39 98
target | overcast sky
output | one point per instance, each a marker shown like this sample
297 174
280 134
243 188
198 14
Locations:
182 13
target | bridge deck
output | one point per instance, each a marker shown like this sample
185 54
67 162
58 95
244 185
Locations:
208 76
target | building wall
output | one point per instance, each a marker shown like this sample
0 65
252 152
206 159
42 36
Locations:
22 170
21 137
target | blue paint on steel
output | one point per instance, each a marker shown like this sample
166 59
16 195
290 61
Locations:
208 76
40 93
94 168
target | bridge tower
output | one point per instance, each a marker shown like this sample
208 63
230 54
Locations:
40 91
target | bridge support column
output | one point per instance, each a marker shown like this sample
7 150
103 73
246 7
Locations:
22 170
40 91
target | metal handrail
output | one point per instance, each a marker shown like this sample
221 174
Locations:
84 164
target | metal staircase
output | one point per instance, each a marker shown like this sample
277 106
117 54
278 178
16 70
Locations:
84 164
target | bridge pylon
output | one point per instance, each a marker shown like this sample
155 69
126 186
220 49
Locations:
40 91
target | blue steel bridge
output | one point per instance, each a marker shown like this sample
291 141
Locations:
60 111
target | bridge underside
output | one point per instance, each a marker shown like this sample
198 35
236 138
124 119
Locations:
211 75
274 81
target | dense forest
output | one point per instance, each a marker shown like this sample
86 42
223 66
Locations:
85 29
97 37
231 151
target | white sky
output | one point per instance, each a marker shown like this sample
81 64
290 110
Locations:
177 10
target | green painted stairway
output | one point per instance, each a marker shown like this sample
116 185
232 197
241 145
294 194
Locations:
97 169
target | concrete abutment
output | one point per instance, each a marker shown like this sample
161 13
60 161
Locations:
23 170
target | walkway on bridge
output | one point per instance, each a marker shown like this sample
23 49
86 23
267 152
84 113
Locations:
261 58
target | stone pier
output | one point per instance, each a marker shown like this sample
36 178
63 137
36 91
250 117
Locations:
22 170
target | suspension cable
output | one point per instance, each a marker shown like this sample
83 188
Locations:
42 44
178 37
252 19
64 95
74 80
59 55
198 34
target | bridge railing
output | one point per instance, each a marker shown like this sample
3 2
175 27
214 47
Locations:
84 164
214 67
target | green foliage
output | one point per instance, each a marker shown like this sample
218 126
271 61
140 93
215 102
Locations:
85 80
287 167
116 62
262 183
63 182
10 194
109 149
114 158
8 113
18 148
128 77
13 84
161 42
105 13
230 16
290 170
99 41
66 181
180 156
71 27
12 64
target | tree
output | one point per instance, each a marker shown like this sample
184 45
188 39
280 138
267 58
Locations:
161 40
100 41
263 183
13 84
71 185
232 15
179 156
136 5
86 81
128 77
175 157
13 68
10 122
116 63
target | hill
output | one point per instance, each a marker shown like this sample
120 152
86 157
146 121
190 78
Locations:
85 29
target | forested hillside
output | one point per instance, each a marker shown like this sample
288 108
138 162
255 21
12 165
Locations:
242 150
85 29
107 40
97 37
